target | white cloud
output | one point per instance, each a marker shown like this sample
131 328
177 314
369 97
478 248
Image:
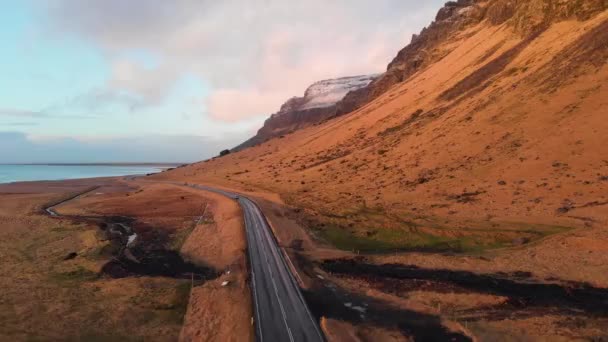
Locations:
151 84
14 112
47 113
254 54
22 148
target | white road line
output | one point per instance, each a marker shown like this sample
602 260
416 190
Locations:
265 243
257 309
270 240
276 292
250 235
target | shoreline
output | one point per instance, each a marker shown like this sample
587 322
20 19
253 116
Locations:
150 169
162 164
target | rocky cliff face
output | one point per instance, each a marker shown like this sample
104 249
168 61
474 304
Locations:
317 104
426 48
330 98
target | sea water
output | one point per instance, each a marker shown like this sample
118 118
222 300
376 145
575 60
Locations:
20 173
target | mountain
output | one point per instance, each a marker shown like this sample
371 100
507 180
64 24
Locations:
317 104
476 165
496 110
524 17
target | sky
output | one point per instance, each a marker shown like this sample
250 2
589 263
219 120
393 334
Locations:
176 81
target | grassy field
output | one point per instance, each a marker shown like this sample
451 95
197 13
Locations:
47 296
373 230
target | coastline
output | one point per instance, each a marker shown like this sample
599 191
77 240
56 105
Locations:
97 164
123 244
27 173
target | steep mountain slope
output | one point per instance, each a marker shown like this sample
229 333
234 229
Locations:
426 48
317 104
488 130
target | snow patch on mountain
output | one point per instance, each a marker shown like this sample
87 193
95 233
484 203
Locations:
327 93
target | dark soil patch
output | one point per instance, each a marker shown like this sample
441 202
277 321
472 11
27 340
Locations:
407 122
150 256
156 263
522 291
490 52
590 50
329 301
70 256
465 197
481 78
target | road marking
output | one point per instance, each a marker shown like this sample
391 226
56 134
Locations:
257 309
264 242
270 240
276 292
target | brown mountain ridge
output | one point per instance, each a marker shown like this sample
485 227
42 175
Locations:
496 112
463 193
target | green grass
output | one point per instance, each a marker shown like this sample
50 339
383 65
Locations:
73 277
388 240
376 230
180 302
179 238
63 229
107 337
99 336
369 230
102 252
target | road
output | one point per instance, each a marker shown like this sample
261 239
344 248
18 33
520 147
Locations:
280 311
51 209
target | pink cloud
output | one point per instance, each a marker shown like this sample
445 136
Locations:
253 55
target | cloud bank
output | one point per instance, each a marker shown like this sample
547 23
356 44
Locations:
253 55
17 147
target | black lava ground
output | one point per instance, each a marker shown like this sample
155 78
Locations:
522 291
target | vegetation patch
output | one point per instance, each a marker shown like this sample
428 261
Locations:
103 252
93 336
407 122
387 240
73 277
180 302
372 230
179 237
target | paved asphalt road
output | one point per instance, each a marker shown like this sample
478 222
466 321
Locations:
281 314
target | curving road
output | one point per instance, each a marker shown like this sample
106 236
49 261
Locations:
280 311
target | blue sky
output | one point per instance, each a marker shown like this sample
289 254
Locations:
80 77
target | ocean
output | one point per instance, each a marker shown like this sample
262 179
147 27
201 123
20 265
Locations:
20 173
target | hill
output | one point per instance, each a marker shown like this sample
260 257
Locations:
488 130
461 195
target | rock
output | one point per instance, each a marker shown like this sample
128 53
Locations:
520 241
70 256
567 205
